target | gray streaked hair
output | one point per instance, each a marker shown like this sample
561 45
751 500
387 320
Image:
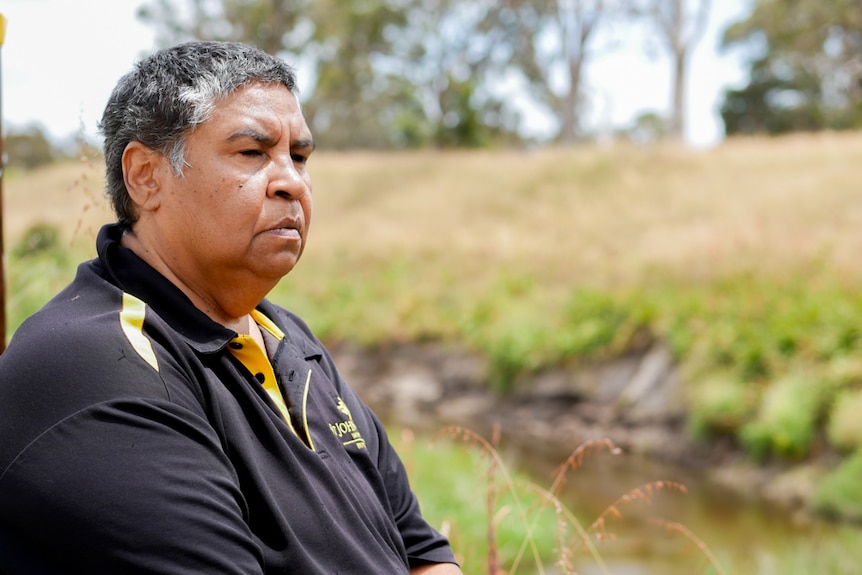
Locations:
170 92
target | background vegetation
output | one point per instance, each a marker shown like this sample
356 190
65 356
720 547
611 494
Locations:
743 258
537 253
404 74
411 73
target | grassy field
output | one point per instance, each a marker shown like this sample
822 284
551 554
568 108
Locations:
602 216
743 257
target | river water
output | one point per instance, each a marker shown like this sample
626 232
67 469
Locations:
680 533
746 536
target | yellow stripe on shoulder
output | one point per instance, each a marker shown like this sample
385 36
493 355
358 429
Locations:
132 322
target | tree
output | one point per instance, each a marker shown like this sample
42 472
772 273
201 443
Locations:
680 23
648 128
444 53
772 104
805 67
29 148
274 26
354 103
550 39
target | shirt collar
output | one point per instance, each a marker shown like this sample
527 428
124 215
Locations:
133 275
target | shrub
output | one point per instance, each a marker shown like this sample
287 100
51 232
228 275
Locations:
786 419
844 428
596 323
839 494
39 267
38 238
720 404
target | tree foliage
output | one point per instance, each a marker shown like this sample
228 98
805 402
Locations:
29 148
461 73
446 56
805 67
548 39
337 43
403 73
379 74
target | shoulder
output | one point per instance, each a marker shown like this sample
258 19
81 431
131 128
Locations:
68 356
78 334
147 470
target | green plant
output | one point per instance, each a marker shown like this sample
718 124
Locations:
720 405
38 238
839 494
449 481
37 274
844 428
787 418
595 322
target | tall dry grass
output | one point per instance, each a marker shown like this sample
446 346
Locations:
600 215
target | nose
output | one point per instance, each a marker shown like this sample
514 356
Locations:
287 179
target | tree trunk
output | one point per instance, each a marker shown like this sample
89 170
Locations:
677 121
569 131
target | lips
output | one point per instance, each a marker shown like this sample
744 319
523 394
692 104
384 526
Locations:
292 233
287 225
290 228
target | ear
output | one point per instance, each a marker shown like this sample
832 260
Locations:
143 173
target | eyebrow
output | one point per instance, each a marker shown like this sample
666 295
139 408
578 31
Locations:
253 134
304 143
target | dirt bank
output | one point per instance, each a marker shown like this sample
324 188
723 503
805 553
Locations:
635 401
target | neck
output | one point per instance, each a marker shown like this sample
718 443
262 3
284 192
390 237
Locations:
232 312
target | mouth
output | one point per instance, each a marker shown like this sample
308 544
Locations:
290 229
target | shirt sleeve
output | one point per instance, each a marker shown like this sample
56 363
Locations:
126 486
423 543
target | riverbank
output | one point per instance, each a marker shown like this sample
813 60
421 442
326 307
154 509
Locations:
635 400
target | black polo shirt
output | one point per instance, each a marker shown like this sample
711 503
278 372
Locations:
134 440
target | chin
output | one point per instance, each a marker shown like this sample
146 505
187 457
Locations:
282 267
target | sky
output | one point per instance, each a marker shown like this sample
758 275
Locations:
61 58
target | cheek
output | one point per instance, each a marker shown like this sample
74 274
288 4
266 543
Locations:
240 201
307 210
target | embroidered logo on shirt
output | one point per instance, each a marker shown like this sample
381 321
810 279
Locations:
346 430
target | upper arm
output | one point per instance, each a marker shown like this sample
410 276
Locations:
424 544
126 486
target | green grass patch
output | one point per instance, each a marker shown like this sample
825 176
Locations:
844 428
839 494
838 554
720 405
787 418
452 481
39 267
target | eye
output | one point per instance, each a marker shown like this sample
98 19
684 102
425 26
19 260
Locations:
299 158
251 153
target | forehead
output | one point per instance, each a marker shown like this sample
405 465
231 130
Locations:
267 106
